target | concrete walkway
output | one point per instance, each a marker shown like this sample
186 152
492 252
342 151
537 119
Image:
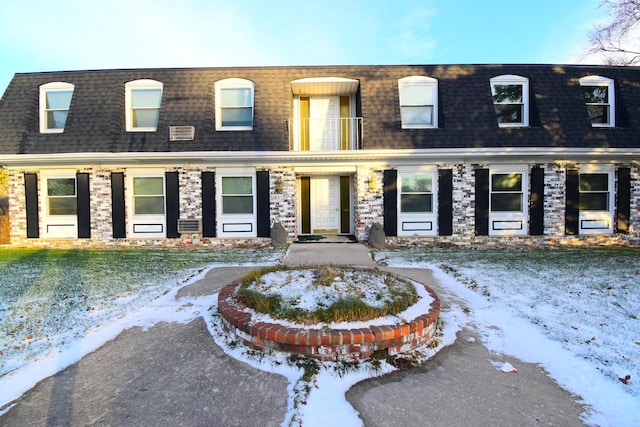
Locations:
174 374
328 253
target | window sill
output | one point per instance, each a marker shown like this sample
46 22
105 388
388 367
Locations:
142 129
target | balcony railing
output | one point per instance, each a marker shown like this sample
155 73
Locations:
343 133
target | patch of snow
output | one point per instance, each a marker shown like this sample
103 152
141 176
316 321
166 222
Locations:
526 324
421 307
299 289
505 331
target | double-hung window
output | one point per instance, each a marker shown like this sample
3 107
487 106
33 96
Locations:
599 97
506 192
234 104
418 102
508 211
61 196
416 193
417 200
511 100
148 195
55 100
595 201
143 99
237 195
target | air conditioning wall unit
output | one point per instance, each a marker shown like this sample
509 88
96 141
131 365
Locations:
189 225
182 133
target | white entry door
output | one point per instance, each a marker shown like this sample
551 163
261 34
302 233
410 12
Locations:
325 204
324 123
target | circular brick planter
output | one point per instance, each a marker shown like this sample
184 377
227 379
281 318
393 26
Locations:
324 343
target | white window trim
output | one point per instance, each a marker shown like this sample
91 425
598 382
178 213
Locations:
511 79
418 223
52 87
57 226
598 217
236 225
609 83
233 83
139 84
420 81
145 226
500 221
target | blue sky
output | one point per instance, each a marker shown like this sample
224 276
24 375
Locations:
40 35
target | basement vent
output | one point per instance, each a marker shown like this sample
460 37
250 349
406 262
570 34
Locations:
182 133
189 226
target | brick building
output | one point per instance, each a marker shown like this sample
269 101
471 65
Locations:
436 154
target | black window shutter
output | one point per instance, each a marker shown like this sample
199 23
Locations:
571 213
445 202
390 201
31 205
172 203
118 224
623 200
536 209
263 202
208 204
83 200
482 202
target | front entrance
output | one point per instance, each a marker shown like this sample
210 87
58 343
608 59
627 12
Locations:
325 205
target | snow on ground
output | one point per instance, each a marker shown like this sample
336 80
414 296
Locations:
580 326
526 324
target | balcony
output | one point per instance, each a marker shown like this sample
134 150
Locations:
325 134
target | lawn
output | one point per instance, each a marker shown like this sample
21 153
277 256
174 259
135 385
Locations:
585 300
588 300
48 297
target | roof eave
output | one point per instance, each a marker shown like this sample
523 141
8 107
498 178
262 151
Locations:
217 158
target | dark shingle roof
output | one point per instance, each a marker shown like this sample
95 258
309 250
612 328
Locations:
96 118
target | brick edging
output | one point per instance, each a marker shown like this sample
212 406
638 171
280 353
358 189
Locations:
326 343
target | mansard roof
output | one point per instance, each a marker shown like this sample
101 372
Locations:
96 120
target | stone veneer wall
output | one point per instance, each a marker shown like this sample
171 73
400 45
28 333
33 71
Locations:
17 208
282 187
368 209
368 201
100 184
101 225
554 207
634 218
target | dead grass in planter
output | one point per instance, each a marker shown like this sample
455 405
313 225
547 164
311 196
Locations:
349 308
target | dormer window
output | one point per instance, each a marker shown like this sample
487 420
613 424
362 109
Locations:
511 100
55 99
418 102
142 99
234 104
599 98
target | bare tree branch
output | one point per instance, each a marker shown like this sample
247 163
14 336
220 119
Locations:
617 40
